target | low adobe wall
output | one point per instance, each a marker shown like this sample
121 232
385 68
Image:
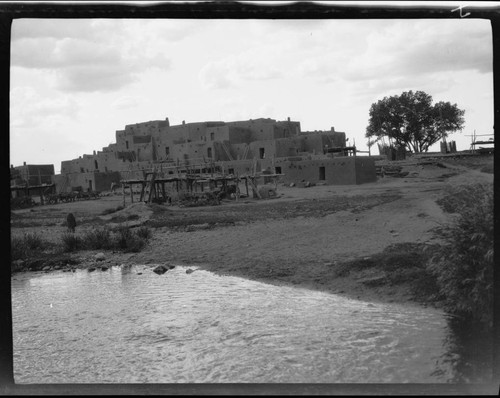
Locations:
345 170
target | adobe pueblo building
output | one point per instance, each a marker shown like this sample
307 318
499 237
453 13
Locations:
241 148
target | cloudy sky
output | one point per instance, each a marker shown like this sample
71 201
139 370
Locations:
75 82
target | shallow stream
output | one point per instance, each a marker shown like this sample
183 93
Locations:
130 325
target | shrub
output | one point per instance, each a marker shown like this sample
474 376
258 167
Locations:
99 238
144 233
123 236
128 241
71 242
28 244
464 268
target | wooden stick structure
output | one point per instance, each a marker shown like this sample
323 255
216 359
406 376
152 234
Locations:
193 179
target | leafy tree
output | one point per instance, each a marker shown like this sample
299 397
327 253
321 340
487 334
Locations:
411 121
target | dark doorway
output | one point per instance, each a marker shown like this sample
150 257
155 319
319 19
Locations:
262 154
209 152
90 185
322 176
277 170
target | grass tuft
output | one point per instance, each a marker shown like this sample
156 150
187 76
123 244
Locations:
71 242
97 238
27 245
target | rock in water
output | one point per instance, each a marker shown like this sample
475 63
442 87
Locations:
161 269
189 271
99 257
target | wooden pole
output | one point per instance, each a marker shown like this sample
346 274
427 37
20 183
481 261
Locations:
131 193
123 193
143 187
163 190
237 193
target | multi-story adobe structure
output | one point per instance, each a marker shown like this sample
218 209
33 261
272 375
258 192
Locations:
240 147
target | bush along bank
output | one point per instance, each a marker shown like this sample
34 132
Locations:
31 252
463 270
464 267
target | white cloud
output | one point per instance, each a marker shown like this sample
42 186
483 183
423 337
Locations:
251 65
56 29
403 51
86 63
30 110
127 102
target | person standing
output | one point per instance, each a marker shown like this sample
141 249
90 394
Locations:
71 222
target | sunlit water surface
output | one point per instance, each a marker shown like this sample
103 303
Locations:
120 326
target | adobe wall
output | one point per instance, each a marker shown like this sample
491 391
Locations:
345 170
62 182
285 147
269 147
261 129
102 181
365 169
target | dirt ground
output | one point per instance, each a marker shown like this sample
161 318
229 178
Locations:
299 237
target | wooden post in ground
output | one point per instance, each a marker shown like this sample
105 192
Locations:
143 187
237 193
163 191
254 187
123 193
131 193
152 186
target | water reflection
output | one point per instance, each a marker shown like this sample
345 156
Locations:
122 327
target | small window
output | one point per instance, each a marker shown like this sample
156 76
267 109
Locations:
230 171
209 152
126 144
277 170
96 165
212 136
167 150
